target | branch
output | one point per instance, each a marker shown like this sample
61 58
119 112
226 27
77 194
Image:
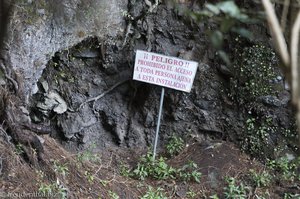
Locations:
102 94
294 67
294 59
276 32
284 15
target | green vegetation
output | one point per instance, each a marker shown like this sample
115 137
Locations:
53 189
257 136
113 195
260 179
89 176
254 73
215 196
229 19
291 196
61 168
154 194
191 194
174 146
157 169
189 172
234 190
88 155
160 170
19 149
285 169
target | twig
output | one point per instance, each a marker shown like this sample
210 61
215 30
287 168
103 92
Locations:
102 94
277 32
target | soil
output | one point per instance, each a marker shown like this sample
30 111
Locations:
215 163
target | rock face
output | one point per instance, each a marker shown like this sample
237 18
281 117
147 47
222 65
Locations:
38 29
83 51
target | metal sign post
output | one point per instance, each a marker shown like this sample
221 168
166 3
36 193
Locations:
158 121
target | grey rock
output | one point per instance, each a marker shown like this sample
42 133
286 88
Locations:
271 100
224 70
284 97
149 120
53 101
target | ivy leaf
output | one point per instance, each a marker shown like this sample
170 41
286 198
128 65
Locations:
230 8
243 32
223 55
212 8
217 39
226 24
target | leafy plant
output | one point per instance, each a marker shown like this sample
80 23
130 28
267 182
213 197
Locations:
160 170
113 195
157 169
89 176
254 73
288 170
189 172
88 155
175 145
229 19
46 189
154 193
260 179
19 149
257 136
215 196
54 189
233 190
61 168
125 170
191 194
291 196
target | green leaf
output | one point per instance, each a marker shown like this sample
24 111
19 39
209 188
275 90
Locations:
230 8
243 32
226 24
223 55
212 8
217 39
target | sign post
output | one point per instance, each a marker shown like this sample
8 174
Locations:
158 121
165 71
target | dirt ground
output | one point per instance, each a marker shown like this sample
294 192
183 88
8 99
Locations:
99 175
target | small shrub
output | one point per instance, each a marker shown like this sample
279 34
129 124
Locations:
261 179
191 194
113 195
188 172
174 146
88 155
291 196
61 168
288 170
89 176
160 170
157 169
257 136
234 191
154 194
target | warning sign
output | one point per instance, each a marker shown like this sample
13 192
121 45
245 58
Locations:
164 71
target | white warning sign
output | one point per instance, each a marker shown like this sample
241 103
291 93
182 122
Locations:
164 71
